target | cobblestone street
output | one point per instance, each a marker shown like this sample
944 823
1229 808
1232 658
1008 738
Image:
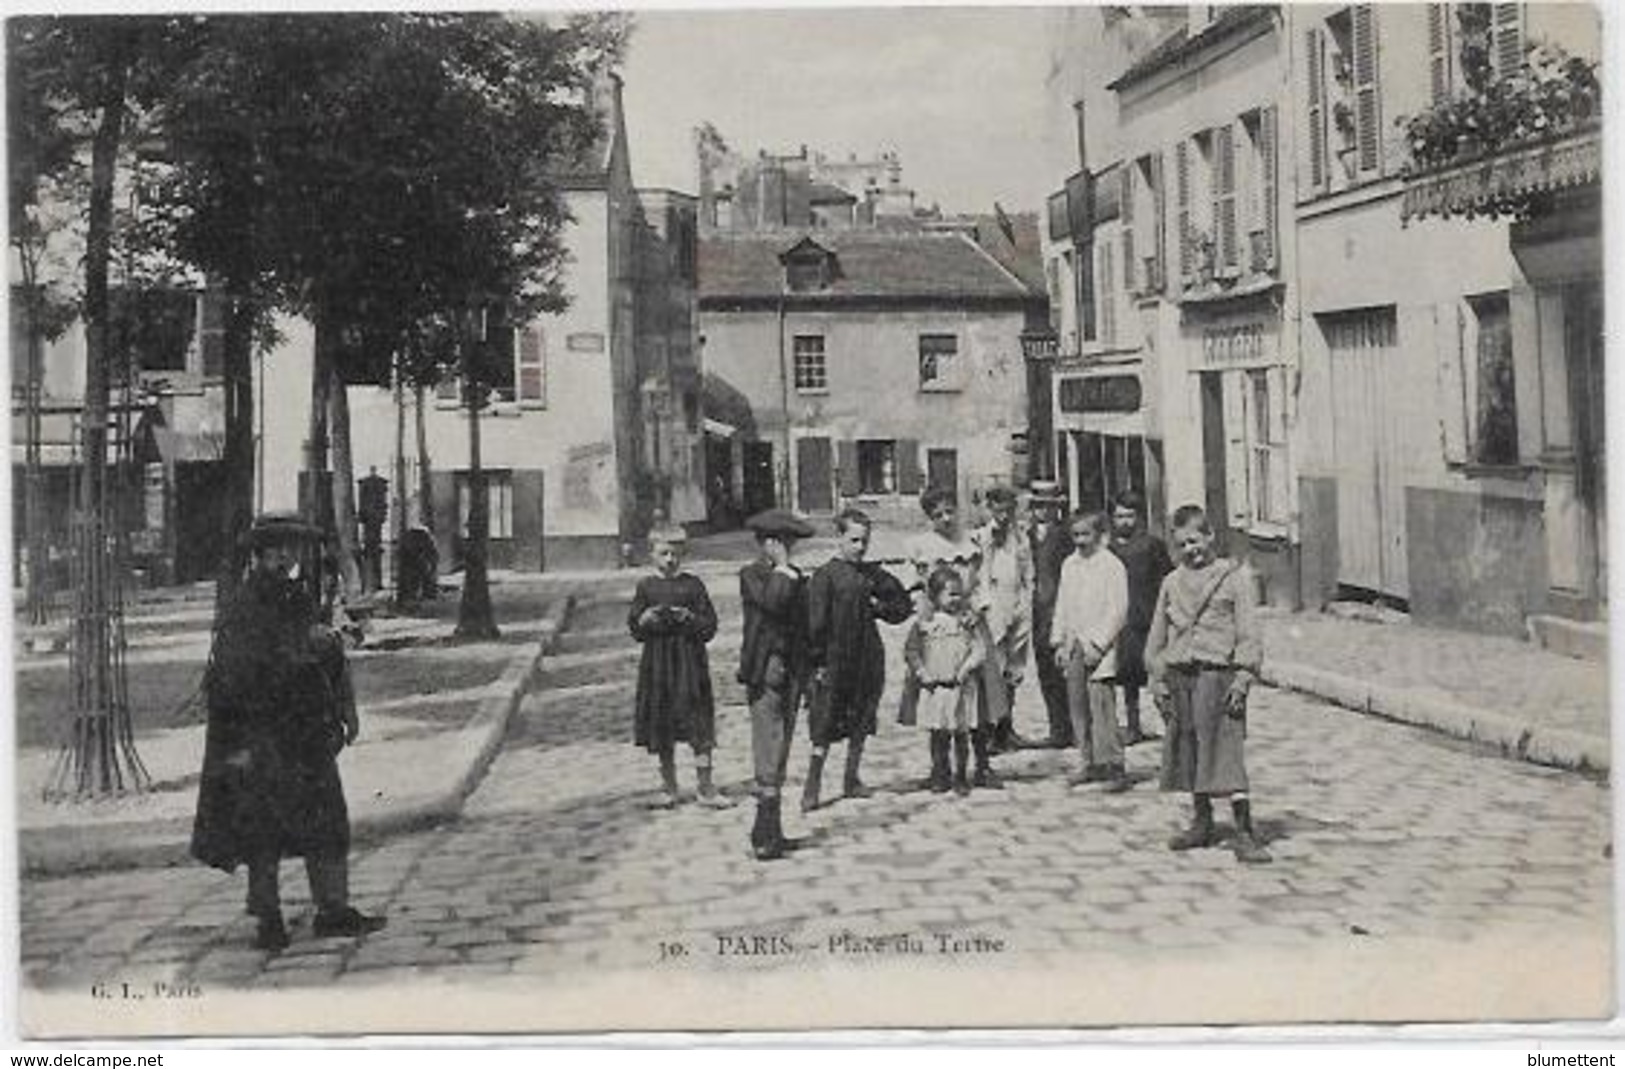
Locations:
559 869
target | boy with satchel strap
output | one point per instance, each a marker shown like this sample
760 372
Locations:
1203 653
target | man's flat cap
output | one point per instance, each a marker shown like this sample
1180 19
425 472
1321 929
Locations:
780 523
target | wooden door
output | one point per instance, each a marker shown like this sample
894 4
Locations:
758 477
815 467
1366 448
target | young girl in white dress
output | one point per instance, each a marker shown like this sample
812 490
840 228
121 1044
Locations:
944 653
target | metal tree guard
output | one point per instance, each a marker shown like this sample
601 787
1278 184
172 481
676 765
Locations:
99 757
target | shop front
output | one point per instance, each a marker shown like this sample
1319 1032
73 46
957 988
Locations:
1101 444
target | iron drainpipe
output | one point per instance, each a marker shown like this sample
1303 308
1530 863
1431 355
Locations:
784 402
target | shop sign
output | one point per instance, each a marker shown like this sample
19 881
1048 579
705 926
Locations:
1104 393
1235 343
584 343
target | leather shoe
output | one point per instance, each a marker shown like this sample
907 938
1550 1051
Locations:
347 922
271 934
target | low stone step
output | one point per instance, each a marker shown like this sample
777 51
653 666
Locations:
1585 640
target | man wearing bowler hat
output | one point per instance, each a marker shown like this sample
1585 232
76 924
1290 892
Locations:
278 716
773 664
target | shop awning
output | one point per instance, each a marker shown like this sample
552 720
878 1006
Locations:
179 447
1478 186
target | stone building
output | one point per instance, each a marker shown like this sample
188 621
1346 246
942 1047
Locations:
860 366
596 431
1446 451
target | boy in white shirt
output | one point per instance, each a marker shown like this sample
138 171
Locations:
1090 608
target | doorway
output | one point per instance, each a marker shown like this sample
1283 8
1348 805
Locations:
815 467
1583 346
1215 480
758 477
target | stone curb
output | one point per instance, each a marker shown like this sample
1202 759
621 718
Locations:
162 843
1514 738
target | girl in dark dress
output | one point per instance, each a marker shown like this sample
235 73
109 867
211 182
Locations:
672 616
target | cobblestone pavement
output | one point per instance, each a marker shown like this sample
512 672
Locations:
558 868
1488 672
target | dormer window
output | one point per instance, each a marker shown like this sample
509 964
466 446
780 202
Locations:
808 266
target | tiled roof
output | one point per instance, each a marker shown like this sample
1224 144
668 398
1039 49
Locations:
870 264
1180 44
827 193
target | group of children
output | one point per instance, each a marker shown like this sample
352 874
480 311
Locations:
815 640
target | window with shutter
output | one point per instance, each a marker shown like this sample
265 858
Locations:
533 366
1131 281
1508 38
1439 51
1182 221
1367 104
1224 200
1269 188
1315 50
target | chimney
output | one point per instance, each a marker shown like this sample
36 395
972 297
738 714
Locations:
1078 110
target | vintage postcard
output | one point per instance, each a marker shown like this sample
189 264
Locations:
823 518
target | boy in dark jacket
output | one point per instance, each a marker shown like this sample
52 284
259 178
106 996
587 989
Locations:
846 657
773 665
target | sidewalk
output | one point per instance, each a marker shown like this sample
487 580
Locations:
418 758
1531 704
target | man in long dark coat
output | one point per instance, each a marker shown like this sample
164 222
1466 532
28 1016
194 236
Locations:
846 657
279 711
773 665
1145 559
1051 545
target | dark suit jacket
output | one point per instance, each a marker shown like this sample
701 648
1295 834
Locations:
775 625
1049 554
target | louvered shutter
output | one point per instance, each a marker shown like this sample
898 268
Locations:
1236 461
1086 292
1367 105
846 454
1108 295
1159 213
1314 47
1439 51
909 479
1131 279
1224 200
1269 187
1508 38
1182 222
532 365
1450 329
211 313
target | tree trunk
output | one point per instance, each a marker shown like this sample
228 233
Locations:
398 388
102 757
475 618
238 388
39 552
338 399
425 468
315 493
